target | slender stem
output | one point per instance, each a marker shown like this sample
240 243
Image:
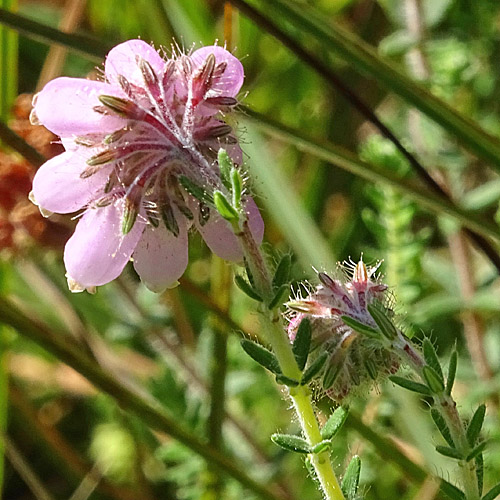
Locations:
300 395
447 407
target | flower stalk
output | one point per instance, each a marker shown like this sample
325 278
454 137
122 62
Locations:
278 339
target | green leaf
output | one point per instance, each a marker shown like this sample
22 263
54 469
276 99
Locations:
493 493
224 207
334 423
260 354
410 385
433 380
282 273
475 425
302 343
315 367
236 187
360 327
277 300
441 425
450 452
246 288
291 443
431 358
322 446
452 491
283 379
476 451
480 472
452 371
383 322
350 481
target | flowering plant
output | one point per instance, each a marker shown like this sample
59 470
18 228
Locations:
141 162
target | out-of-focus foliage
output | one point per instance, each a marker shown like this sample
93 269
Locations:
162 346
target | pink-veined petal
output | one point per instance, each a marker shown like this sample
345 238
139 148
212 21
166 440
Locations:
161 258
58 187
219 236
229 84
122 60
98 251
66 107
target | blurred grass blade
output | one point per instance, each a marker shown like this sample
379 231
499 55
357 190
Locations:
351 163
287 211
89 47
16 142
149 411
366 60
4 400
8 64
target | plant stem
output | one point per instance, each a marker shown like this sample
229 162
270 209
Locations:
447 407
276 335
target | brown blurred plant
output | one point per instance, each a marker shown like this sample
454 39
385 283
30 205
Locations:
20 221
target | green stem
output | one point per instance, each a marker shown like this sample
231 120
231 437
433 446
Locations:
148 411
300 395
447 407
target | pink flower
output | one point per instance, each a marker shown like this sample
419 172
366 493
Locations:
133 143
354 361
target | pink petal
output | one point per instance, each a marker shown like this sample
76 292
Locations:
66 107
219 236
160 258
229 84
58 187
122 60
97 252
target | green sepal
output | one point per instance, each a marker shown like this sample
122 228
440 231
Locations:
410 385
371 368
282 273
334 423
260 354
431 358
476 451
291 443
350 481
475 425
278 297
283 379
493 493
169 219
436 385
383 322
225 166
452 371
322 446
450 452
195 190
129 217
442 426
236 187
360 327
224 207
315 367
302 343
246 288
331 373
